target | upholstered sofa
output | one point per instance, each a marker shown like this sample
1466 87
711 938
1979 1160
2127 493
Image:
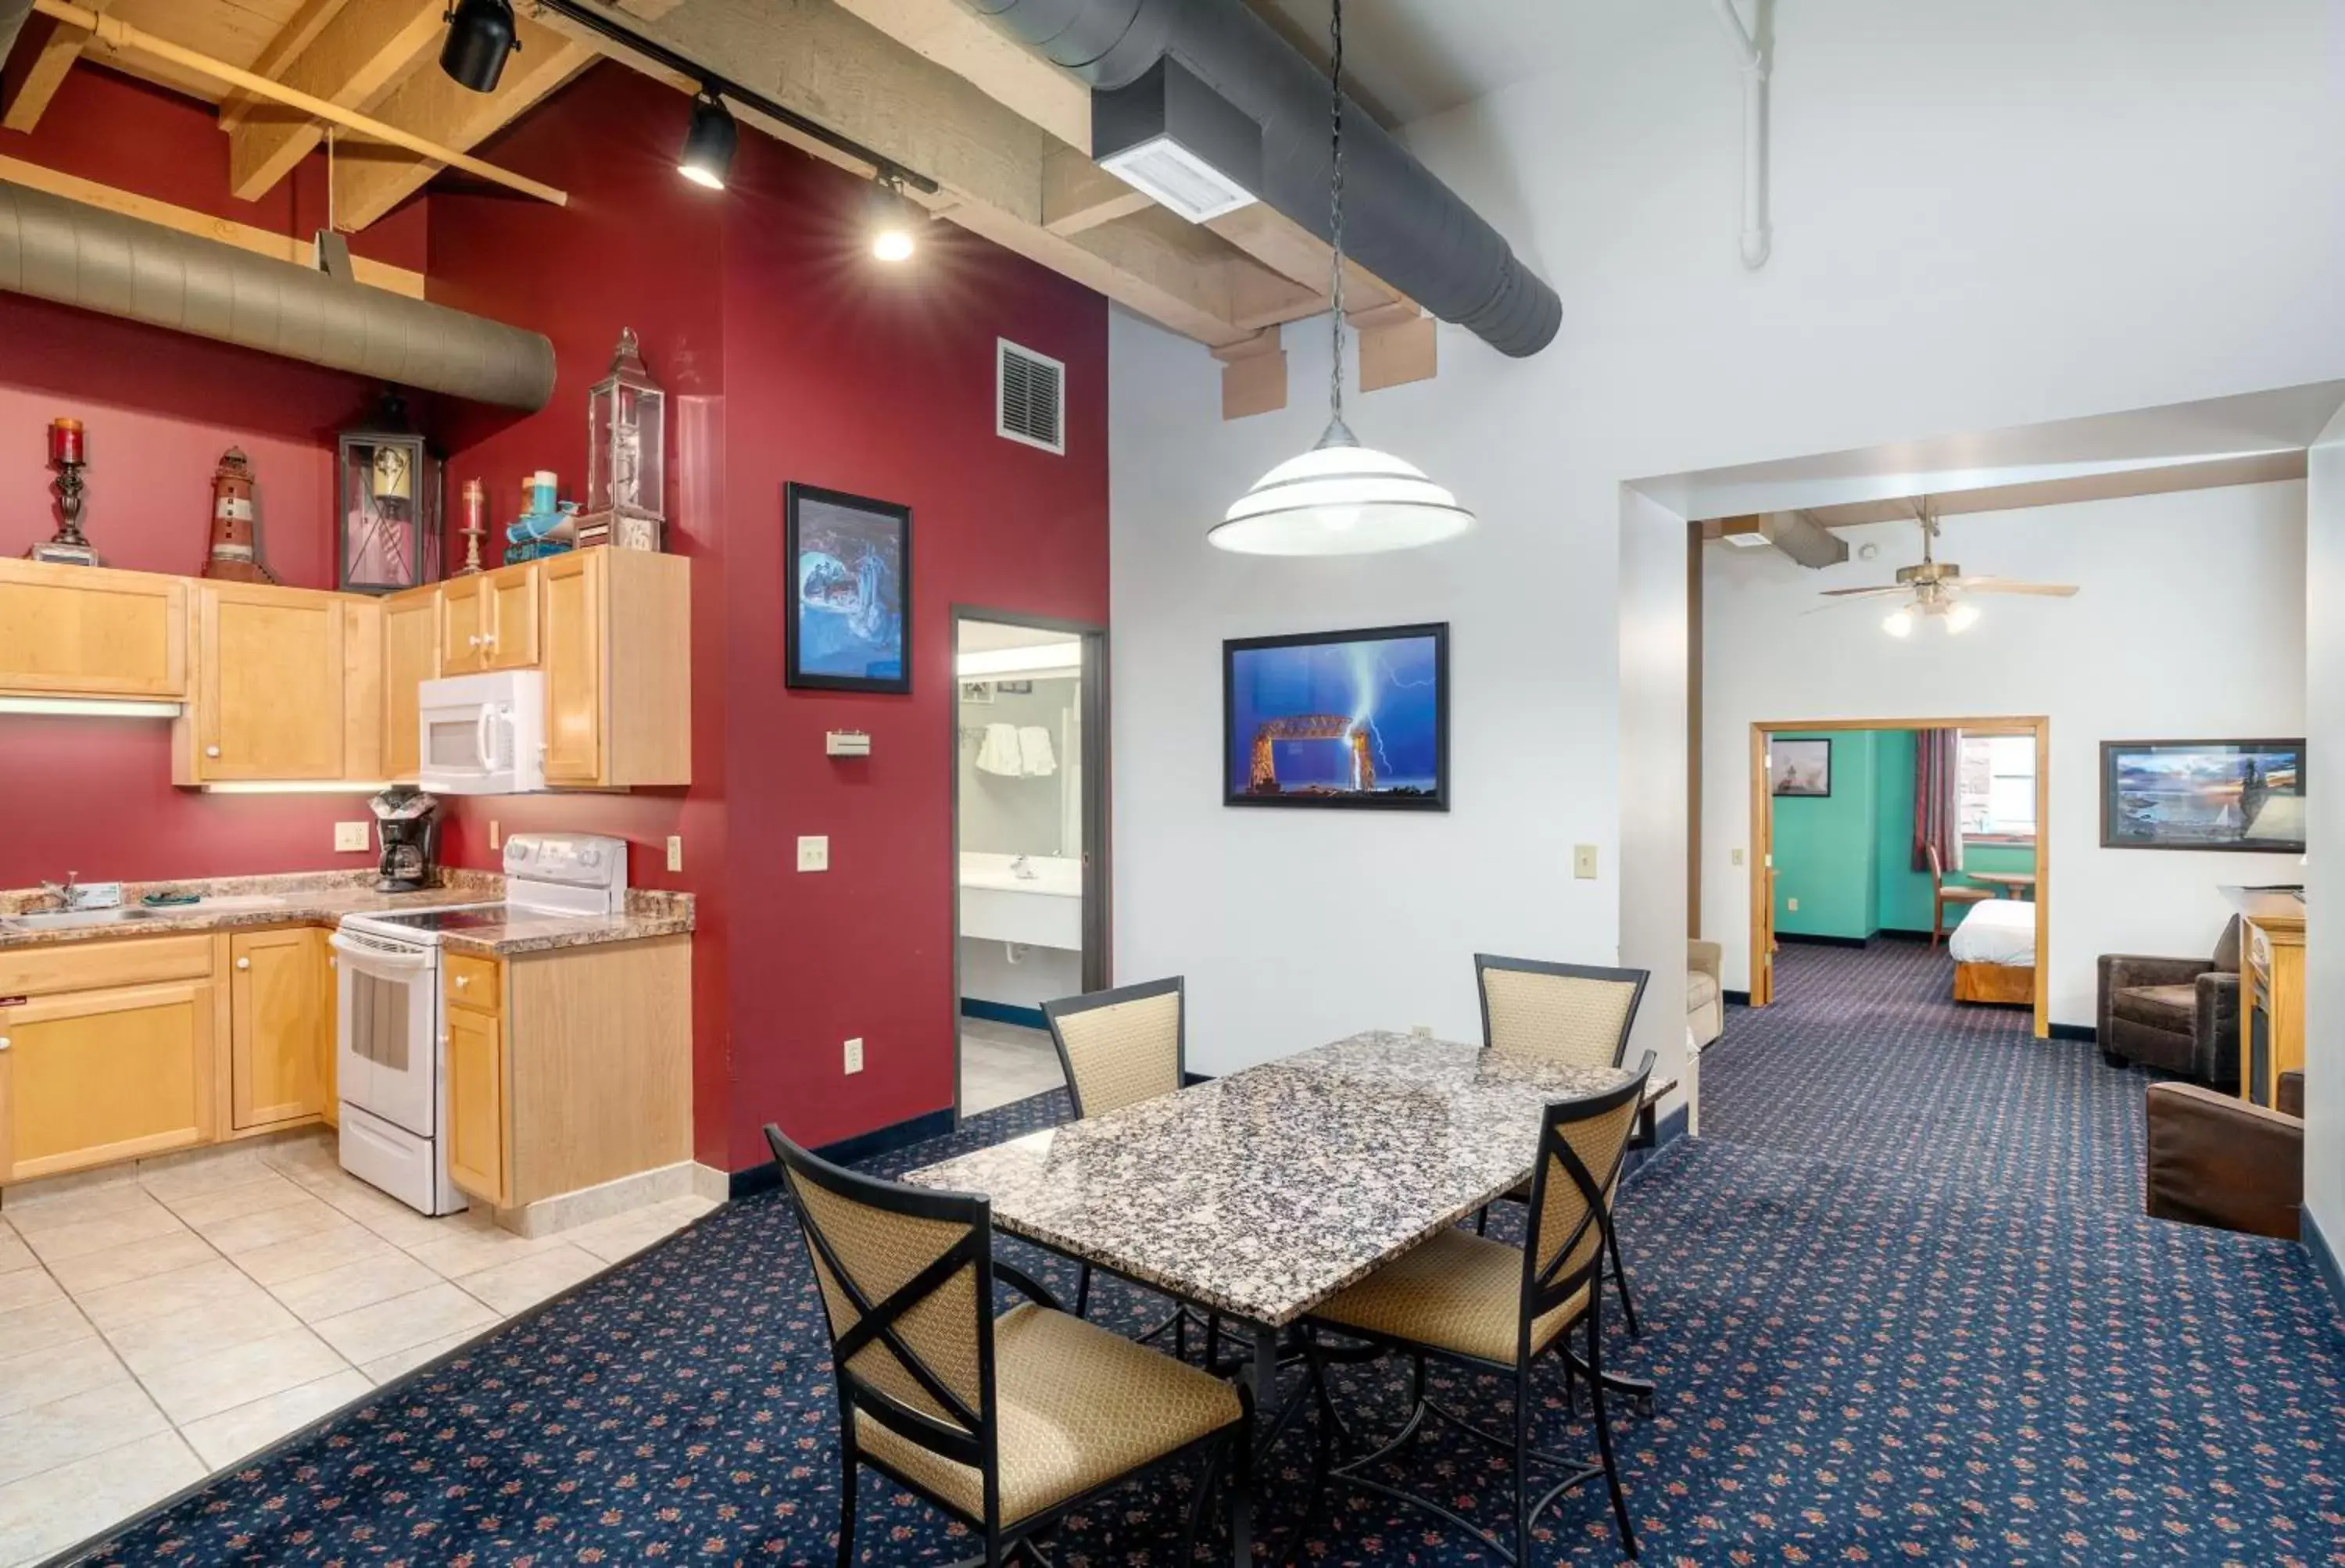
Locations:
2216 1160
2176 1015
1705 1002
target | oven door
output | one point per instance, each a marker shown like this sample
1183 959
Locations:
467 748
387 1030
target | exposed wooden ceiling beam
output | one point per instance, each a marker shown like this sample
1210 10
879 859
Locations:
46 73
1078 194
353 59
300 31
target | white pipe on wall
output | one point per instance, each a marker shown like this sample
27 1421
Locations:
1758 235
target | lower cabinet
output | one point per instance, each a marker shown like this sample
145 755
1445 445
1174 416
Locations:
476 1103
89 1077
281 1007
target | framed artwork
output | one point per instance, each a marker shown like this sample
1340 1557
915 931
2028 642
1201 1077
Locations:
1353 719
2203 795
851 560
1799 770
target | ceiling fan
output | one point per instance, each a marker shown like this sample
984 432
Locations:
1939 589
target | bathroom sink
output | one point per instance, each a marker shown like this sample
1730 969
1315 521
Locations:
76 920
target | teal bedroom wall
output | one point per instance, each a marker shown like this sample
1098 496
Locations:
1848 858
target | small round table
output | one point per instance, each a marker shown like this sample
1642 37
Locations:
2006 884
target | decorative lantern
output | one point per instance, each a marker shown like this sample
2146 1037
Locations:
389 535
626 450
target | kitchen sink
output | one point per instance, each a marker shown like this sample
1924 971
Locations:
75 920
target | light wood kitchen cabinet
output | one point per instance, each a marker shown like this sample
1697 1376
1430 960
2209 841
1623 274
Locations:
616 638
489 622
85 631
89 1077
281 1007
477 1138
411 656
279 673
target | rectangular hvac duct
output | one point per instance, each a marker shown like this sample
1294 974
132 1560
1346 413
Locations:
1174 138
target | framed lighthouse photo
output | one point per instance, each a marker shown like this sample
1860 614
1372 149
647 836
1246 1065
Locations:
1353 720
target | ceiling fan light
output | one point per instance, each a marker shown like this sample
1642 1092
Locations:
1898 622
1961 617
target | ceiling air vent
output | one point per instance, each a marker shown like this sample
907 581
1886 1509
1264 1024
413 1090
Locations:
1030 397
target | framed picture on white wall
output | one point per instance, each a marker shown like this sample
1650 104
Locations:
1798 769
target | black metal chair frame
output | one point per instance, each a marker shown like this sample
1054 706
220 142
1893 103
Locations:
976 1447
1543 1291
1175 986
1639 978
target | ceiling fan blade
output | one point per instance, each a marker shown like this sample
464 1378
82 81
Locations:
1843 603
1865 593
2005 585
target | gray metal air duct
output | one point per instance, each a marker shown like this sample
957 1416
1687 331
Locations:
1399 221
12 19
57 249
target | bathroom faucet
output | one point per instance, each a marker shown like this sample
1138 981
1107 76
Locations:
1022 871
68 893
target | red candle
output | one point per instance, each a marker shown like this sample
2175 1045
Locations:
64 441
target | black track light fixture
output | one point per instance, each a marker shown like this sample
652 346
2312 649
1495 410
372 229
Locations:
709 144
893 220
480 36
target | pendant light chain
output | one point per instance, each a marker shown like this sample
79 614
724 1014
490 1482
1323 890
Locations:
1336 215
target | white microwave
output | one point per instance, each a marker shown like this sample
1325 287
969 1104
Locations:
483 734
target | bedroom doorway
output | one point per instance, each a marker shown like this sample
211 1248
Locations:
2000 794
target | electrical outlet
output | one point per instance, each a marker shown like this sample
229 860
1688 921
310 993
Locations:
854 1054
496 834
1422 1031
1791 906
1583 862
1738 857
349 836
814 854
675 851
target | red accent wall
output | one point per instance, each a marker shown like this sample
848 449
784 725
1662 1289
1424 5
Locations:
94 795
801 359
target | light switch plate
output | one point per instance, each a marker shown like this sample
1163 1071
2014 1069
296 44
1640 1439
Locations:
1790 906
854 1054
351 836
675 851
814 854
1583 861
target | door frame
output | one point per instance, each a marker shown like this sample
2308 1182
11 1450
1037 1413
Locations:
1099 926
1762 840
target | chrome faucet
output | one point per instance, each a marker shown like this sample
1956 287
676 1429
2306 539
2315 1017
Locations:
1022 871
68 893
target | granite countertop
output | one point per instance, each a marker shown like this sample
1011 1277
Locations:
322 898
1263 1192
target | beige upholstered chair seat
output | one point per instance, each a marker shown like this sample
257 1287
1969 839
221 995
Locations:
1459 1292
1078 1406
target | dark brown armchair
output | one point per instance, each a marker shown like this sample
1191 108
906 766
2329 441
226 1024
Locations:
2218 1161
2176 1015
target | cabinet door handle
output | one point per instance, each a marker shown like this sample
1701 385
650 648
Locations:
490 641
474 641
464 981
212 751
330 961
244 963
4 1042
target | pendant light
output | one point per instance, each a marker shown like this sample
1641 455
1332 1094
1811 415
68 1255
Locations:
1339 498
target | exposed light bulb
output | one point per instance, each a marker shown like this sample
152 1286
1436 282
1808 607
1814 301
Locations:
1898 622
1962 618
890 219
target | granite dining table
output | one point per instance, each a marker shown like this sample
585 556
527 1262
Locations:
1260 1195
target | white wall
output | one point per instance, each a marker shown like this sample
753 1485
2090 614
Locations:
2324 952
1985 215
1654 643
2191 626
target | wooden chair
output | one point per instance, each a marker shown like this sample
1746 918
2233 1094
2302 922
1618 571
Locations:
1941 895
1493 1308
1568 1012
1004 1423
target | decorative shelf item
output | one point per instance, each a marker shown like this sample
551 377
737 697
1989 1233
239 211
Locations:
69 451
626 449
388 537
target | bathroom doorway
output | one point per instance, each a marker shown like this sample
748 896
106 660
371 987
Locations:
1030 865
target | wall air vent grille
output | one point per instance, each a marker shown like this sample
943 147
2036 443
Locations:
1030 398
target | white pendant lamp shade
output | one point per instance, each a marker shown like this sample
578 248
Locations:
1340 498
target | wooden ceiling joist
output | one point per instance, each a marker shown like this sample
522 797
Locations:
55 57
352 60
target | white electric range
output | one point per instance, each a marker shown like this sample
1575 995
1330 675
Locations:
391 1040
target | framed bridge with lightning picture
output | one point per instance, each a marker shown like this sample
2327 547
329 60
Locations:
1355 719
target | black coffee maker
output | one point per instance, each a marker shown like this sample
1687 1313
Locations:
407 828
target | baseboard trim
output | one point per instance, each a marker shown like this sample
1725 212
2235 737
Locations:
2083 1031
1739 998
1191 1080
764 1176
1003 1013
1899 933
1811 940
2324 1261
1667 1129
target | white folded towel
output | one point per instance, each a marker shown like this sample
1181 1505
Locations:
999 752
1034 747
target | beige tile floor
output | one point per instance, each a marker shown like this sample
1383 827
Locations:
1001 1063
164 1325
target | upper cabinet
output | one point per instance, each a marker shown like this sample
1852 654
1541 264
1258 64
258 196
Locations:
85 631
616 649
288 686
489 622
411 656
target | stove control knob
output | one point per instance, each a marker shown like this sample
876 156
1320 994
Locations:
590 857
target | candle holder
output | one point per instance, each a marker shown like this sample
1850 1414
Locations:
474 526
66 455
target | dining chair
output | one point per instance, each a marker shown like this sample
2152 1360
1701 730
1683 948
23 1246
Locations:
1005 1423
1118 1048
1962 895
1570 1013
1493 1308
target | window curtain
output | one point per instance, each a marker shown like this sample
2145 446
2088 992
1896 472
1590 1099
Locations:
1938 798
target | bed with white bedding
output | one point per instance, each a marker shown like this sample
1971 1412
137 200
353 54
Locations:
1995 952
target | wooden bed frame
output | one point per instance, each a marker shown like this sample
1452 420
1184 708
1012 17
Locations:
2011 984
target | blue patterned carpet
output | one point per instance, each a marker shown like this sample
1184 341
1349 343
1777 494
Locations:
1899 1297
